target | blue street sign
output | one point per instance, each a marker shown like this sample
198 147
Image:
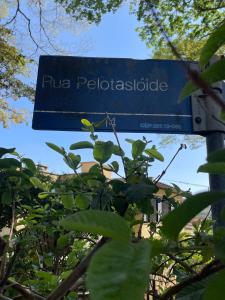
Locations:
138 95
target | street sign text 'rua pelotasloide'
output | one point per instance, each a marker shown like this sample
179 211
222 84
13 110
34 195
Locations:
138 95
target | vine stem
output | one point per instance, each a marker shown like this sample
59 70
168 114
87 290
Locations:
182 146
118 142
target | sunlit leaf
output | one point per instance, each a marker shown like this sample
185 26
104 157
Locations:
88 125
214 73
215 41
119 271
43 195
103 223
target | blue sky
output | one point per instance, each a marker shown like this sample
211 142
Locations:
115 36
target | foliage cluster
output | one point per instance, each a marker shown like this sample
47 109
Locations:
69 238
78 235
12 63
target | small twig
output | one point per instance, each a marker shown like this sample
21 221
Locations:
182 146
213 267
164 277
192 74
29 28
24 291
182 263
118 142
14 17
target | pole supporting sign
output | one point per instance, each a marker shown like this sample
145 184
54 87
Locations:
138 95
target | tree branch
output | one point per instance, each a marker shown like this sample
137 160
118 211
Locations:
29 27
211 268
24 291
192 74
80 269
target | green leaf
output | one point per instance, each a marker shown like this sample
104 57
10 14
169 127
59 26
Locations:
154 153
43 195
75 159
192 291
115 166
4 151
187 211
137 148
217 156
100 123
140 191
68 200
103 151
157 247
81 145
72 160
63 241
6 163
103 223
130 141
222 115
215 41
215 287
37 183
213 168
117 150
213 73
6 198
119 271
219 241
29 164
87 124
93 183
82 201
56 148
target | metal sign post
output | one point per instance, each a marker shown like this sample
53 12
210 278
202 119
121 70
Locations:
215 141
206 121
